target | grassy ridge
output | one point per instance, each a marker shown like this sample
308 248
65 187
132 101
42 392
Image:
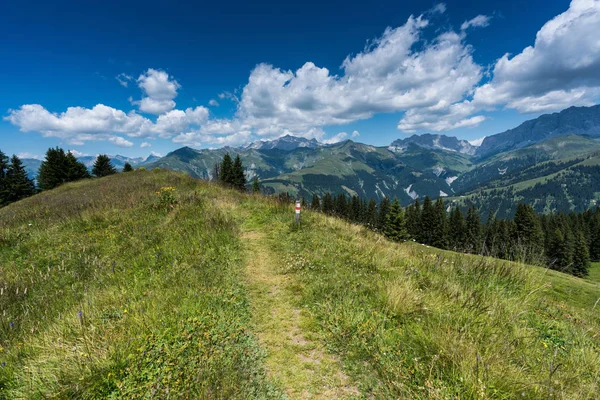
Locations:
118 290
122 288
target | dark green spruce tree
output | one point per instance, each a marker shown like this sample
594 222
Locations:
226 170
238 176
18 183
341 206
413 221
76 170
384 209
255 185
456 230
53 171
581 256
395 227
529 233
103 167
371 214
559 252
127 167
473 231
315 204
440 232
327 204
3 182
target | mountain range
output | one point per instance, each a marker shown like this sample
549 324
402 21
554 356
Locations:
551 162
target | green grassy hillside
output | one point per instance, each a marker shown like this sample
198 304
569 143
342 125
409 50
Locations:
155 285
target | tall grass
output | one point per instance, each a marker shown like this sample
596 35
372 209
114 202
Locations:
108 293
112 289
415 322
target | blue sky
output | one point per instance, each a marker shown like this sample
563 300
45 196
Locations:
208 75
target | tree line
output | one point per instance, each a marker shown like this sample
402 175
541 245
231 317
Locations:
231 172
567 243
58 167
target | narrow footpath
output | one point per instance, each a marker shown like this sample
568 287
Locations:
300 365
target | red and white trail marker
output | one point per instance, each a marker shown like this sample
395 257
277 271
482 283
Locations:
297 211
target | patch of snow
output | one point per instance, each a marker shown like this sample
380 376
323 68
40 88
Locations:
438 171
502 171
396 149
451 179
443 194
411 193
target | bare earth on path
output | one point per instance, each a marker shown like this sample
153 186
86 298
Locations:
300 365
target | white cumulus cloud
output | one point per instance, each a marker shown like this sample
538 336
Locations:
160 89
562 67
145 145
433 81
119 141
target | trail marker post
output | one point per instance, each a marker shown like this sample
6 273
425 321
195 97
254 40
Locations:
298 212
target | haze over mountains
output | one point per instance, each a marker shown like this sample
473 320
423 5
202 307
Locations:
552 162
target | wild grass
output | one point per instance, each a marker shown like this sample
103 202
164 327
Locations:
109 292
113 289
414 322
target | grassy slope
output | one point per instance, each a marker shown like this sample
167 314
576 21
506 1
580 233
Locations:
223 296
163 306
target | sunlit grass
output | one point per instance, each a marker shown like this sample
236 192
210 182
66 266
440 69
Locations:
121 288
125 287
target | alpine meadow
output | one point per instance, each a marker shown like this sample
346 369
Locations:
279 200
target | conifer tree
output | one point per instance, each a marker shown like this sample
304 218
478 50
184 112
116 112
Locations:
354 209
473 231
238 175
76 170
59 167
395 227
18 183
364 205
53 170
595 238
384 209
255 185
226 170
581 256
127 167
413 220
341 207
327 205
559 251
3 182
315 204
103 166
440 232
427 222
456 230
371 214
529 232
